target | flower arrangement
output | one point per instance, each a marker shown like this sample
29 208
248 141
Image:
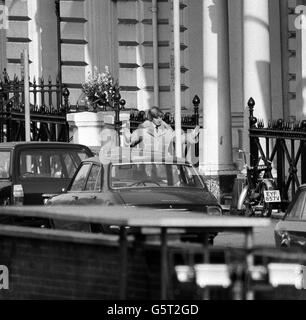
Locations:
100 87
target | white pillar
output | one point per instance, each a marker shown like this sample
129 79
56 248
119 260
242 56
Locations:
300 24
217 136
155 52
35 46
256 68
177 75
3 29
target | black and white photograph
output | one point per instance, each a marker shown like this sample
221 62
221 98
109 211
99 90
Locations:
153 153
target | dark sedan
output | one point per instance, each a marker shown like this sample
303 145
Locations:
291 230
30 169
139 180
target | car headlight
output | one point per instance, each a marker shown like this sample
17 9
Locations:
214 210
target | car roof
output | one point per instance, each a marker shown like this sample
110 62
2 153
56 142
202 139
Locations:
13 145
127 155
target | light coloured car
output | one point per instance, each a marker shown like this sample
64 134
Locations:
137 179
291 230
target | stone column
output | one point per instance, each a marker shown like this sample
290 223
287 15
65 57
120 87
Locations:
217 136
256 65
300 25
3 28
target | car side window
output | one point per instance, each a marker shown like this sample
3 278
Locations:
94 179
5 157
80 178
48 163
298 209
72 161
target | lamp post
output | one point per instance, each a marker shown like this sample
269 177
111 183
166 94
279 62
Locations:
196 102
59 42
117 105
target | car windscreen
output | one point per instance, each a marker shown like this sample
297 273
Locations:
139 175
5 158
298 207
45 163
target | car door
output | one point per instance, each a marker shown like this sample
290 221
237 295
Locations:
84 190
75 194
91 193
46 171
292 230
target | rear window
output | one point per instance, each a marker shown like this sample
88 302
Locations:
5 158
56 163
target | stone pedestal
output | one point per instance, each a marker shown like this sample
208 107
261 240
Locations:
94 129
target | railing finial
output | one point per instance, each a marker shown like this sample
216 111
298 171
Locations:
252 119
196 101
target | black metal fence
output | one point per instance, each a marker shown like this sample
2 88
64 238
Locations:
49 104
283 143
188 121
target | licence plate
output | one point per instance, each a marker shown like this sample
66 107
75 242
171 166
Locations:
272 196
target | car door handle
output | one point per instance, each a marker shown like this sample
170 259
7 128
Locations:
75 197
93 197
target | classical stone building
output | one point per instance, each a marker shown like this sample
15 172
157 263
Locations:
229 51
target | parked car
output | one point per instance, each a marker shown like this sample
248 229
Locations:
28 170
137 180
291 230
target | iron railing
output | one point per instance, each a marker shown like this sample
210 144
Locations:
116 104
188 121
48 108
283 143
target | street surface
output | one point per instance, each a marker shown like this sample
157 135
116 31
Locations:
262 237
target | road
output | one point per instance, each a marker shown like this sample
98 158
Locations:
263 237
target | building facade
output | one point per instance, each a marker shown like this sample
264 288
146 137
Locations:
229 51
